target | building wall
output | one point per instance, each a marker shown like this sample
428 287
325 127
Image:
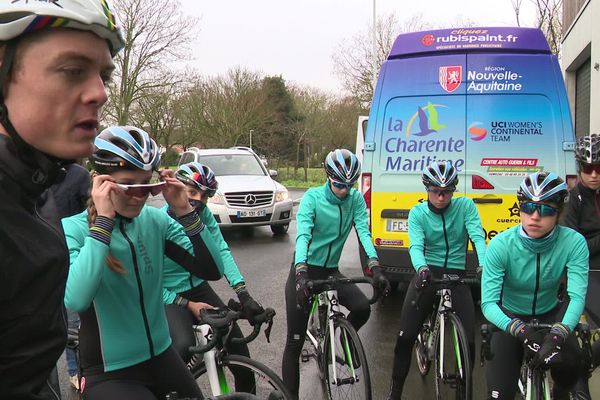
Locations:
581 41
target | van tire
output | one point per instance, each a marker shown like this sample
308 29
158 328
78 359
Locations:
280 229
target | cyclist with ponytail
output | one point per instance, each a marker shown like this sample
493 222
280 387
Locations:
522 274
185 295
118 250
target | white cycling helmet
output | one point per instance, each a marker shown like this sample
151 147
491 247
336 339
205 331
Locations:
126 147
24 16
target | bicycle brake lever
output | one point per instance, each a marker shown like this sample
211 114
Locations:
268 330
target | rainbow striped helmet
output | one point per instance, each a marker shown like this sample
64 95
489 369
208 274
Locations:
24 16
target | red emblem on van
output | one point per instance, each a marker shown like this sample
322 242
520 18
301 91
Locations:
428 40
450 77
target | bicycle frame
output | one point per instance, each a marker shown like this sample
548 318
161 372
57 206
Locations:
214 372
329 299
444 307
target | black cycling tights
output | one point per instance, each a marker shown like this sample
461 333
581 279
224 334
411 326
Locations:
413 315
502 371
149 380
592 306
180 327
350 296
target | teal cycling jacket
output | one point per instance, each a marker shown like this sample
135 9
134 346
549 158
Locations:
526 283
440 240
324 222
130 314
177 279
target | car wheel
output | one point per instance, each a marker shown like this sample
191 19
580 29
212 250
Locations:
280 229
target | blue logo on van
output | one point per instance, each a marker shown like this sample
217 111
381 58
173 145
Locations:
428 120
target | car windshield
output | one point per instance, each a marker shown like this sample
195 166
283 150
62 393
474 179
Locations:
233 164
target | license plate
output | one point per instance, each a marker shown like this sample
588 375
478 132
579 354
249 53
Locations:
397 225
251 213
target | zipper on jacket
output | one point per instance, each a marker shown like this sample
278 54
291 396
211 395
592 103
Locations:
537 284
336 238
446 240
140 289
596 203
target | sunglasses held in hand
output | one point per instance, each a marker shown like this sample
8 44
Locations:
142 189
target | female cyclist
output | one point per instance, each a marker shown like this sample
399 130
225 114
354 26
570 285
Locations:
118 249
185 294
325 218
521 279
438 230
582 213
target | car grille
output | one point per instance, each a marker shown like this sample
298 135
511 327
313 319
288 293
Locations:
249 199
237 220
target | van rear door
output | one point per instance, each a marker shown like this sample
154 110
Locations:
423 121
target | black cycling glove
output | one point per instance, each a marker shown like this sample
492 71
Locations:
528 336
380 282
423 278
549 352
302 292
250 307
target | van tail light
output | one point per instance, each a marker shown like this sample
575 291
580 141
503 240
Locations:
571 181
477 182
366 192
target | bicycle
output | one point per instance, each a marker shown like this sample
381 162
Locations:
534 383
442 326
233 396
334 338
212 365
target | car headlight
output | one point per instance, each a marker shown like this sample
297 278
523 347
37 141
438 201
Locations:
281 195
217 199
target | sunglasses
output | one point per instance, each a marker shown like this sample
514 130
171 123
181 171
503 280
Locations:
142 189
441 192
589 168
340 185
543 209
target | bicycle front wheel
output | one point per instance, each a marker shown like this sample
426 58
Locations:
346 374
453 370
258 378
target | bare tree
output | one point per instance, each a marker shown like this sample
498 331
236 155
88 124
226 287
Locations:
548 17
156 35
221 111
516 5
549 20
356 59
156 110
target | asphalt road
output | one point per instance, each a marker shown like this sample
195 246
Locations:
264 260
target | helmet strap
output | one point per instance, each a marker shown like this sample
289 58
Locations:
47 168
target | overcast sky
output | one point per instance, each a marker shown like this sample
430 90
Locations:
297 38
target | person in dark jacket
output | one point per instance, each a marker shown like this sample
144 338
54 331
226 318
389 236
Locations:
70 197
55 58
583 214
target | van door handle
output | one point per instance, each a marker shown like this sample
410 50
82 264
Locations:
487 200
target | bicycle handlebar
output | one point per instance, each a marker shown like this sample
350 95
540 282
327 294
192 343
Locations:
316 286
446 281
220 319
582 330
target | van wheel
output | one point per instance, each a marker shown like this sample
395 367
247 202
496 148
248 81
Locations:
280 229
